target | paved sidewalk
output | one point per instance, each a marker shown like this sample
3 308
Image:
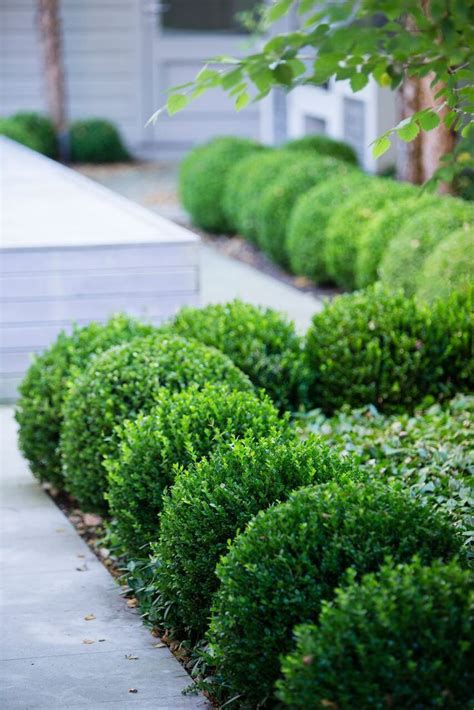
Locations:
50 584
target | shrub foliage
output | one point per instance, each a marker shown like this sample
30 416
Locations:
19 133
42 128
323 145
95 140
450 267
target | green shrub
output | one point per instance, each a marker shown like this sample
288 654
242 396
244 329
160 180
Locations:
118 385
373 347
450 267
95 140
225 492
261 342
429 453
404 258
349 222
42 128
202 178
307 226
42 391
292 557
279 197
404 634
323 145
182 428
380 231
245 184
16 132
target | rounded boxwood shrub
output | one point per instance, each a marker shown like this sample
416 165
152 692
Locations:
202 177
118 385
183 427
380 231
404 258
403 634
16 132
307 226
372 347
42 128
260 341
292 557
278 199
450 267
351 219
214 499
42 391
323 145
95 140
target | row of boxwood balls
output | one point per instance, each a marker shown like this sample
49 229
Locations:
310 209
167 436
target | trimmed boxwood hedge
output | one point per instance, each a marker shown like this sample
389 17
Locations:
292 557
42 391
278 199
95 140
403 634
260 341
351 219
19 133
118 385
449 267
183 427
214 499
307 227
42 128
323 145
404 258
202 178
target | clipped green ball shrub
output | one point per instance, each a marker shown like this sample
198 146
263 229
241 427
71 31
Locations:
214 499
183 427
372 347
307 226
293 557
19 133
118 385
42 128
380 231
95 140
260 341
324 145
278 199
403 261
403 634
347 224
450 267
43 389
202 178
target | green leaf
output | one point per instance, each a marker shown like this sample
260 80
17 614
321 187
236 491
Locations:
358 81
278 10
428 120
241 101
408 132
381 145
231 79
283 74
176 102
208 76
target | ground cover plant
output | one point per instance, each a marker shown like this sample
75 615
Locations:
178 431
118 385
43 389
324 145
95 140
449 267
404 633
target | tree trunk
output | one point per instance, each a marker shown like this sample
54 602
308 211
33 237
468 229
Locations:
50 36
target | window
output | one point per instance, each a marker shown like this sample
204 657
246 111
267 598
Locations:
204 15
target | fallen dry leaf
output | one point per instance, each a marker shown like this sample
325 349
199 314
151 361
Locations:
89 617
132 603
91 520
88 641
131 657
159 645
60 530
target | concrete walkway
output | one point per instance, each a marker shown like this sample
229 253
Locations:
68 640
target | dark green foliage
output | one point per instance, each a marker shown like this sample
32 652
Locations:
404 258
346 226
292 557
216 498
449 267
429 453
42 392
373 347
95 140
380 231
279 197
323 145
307 226
19 133
261 342
405 633
202 178
183 427
118 385
42 128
